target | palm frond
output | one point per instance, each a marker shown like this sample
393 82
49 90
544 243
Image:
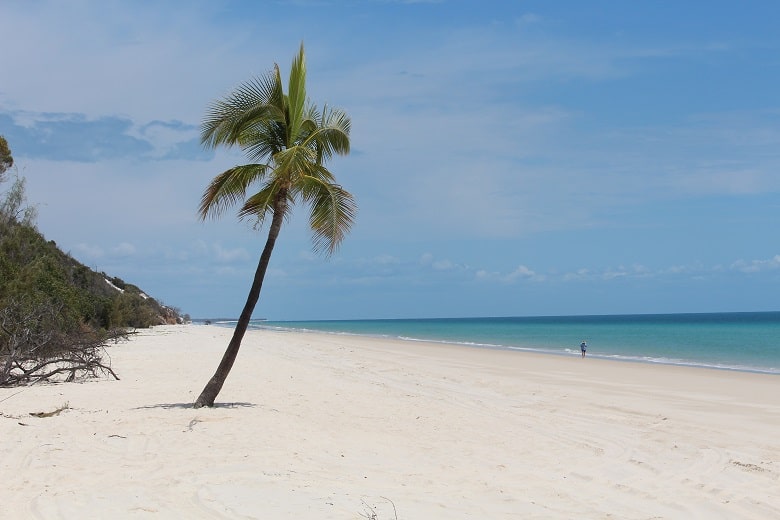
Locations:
264 141
252 103
296 95
331 135
228 188
261 204
332 213
277 97
294 162
336 119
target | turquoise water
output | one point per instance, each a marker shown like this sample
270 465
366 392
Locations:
734 341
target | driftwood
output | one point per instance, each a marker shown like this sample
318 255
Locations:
42 415
370 513
33 349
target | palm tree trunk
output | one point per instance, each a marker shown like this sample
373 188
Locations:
213 387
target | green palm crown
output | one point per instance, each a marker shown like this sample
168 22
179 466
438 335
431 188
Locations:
288 141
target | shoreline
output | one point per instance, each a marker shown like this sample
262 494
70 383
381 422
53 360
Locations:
313 425
569 352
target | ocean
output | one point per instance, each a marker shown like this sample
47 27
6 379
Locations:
744 341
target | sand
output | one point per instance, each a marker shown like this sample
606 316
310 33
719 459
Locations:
317 426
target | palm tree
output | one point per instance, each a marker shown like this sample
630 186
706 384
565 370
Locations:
288 140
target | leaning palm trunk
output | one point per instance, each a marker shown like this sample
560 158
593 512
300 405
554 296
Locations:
213 387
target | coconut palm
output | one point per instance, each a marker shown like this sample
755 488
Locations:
288 141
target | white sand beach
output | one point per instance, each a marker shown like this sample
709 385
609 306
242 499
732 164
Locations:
317 426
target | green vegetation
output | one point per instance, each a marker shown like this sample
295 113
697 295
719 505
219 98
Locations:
288 140
53 309
6 159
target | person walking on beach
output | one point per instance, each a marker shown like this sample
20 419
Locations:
583 347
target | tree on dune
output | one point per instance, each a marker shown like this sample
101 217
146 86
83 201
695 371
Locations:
288 141
6 159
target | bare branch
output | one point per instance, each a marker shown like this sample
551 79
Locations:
33 349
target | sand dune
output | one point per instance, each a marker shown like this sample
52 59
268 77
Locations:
316 426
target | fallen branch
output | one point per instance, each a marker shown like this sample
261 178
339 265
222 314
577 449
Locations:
42 415
370 513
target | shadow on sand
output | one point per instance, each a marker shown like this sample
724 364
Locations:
168 406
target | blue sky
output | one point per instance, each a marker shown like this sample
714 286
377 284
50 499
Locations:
509 157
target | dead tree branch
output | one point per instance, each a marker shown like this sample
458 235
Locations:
34 349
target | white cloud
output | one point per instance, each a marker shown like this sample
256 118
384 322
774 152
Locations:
757 266
386 260
123 249
88 251
428 260
228 271
443 265
528 19
520 273
579 274
227 255
634 271
165 137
